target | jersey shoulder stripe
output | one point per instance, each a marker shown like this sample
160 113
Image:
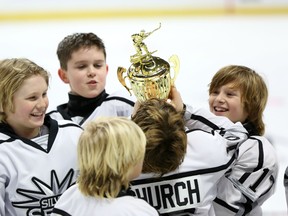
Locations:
184 174
68 124
125 100
204 121
10 139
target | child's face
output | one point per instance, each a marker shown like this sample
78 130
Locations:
226 101
86 72
30 104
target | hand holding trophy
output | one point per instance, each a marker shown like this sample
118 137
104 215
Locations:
149 75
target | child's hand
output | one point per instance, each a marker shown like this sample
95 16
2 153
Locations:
136 107
175 99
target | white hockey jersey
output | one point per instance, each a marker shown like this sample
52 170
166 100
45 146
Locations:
251 180
32 177
74 203
117 104
191 189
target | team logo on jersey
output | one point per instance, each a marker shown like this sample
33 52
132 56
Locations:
42 201
171 195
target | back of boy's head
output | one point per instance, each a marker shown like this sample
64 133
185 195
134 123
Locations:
13 73
164 128
74 42
108 150
253 90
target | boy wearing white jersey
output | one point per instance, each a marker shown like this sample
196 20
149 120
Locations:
83 66
182 166
37 153
110 153
240 94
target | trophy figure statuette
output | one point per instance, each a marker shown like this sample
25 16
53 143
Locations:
149 75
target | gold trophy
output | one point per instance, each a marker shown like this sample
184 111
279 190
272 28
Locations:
149 76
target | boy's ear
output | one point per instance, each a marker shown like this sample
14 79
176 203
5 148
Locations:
63 75
107 69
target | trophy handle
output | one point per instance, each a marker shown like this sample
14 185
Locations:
120 73
176 65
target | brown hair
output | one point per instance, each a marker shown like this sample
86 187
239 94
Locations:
74 42
253 90
164 128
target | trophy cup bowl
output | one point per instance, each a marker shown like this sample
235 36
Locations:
149 81
149 76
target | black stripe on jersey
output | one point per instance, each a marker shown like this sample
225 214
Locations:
125 100
213 127
249 205
184 174
205 121
60 212
224 204
261 154
27 141
256 184
62 113
191 130
8 140
286 177
70 125
229 148
48 121
186 212
53 131
120 99
260 160
272 183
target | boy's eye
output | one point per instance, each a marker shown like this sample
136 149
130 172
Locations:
81 66
231 93
215 92
97 65
32 98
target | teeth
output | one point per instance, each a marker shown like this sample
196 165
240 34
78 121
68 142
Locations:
219 109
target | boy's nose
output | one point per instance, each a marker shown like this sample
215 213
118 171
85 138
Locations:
91 72
220 98
42 102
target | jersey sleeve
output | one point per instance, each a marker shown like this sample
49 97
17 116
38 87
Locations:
250 181
203 119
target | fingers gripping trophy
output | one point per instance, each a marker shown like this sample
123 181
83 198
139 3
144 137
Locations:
149 75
